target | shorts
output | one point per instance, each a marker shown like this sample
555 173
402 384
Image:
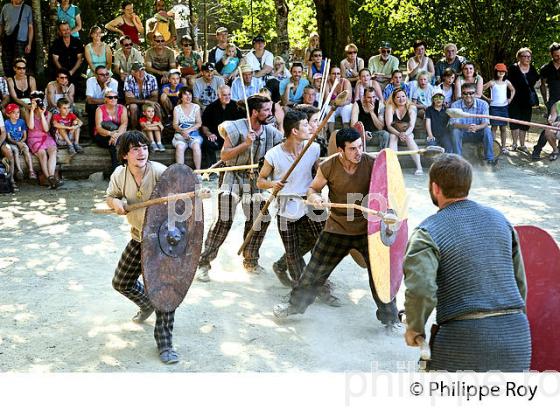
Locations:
60 142
196 138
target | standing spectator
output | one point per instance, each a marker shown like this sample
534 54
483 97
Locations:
223 109
188 61
550 89
124 58
159 59
60 88
217 52
205 90
352 64
291 89
97 52
499 102
95 92
21 85
260 60
369 110
316 65
186 123
450 60
469 76
163 23
4 93
66 11
313 44
127 24
523 77
396 82
16 32
364 82
472 129
400 119
248 81
111 121
67 52
343 111
169 95
437 122
383 65
140 88
553 136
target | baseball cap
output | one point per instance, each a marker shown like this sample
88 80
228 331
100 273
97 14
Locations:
136 67
208 67
385 44
438 91
174 71
259 38
221 30
11 108
500 67
317 75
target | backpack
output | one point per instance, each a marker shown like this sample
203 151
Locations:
6 186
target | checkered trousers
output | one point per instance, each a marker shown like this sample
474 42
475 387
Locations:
126 282
329 250
298 238
227 205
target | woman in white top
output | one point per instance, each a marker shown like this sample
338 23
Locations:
97 52
470 76
260 60
186 123
365 81
420 61
352 64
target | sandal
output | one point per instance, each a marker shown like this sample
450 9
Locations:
553 156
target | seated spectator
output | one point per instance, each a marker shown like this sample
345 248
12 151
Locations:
553 136
309 96
251 84
14 136
277 118
369 110
223 109
472 129
67 52
205 90
420 61
447 86
344 111
140 88
124 58
66 11
469 76
313 44
40 142
186 122
97 52
316 65
279 70
4 93
127 24
159 59
383 65
365 81
60 88
111 121
317 81
188 61
163 22
259 59
396 82
437 122
422 95
291 88
95 92
67 128
450 60
21 85
169 96
352 64
217 53
229 63
8 160
151 125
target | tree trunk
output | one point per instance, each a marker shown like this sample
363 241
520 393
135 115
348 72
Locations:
40 50
333 20
192 25
283 43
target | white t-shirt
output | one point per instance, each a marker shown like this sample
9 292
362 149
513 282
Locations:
289 203
252 60
94 90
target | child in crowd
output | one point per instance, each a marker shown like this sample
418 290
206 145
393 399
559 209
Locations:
151 126
16 135
447 86
67 127
499 102
422 94
170 92
436 122
230 62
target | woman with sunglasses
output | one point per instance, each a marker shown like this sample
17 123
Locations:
60 88
127 24
188 61
352 64
21 86
111 121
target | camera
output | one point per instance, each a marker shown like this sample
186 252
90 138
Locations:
40 103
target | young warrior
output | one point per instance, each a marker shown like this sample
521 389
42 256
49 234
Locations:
345 174
239 144
297 224
134 182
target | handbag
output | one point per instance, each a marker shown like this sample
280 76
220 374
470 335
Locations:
10 39
533 97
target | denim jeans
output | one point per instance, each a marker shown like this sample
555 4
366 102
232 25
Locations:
484 136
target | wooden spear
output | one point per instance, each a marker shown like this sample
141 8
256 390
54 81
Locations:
458 113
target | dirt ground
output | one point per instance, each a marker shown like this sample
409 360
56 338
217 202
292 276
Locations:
59 313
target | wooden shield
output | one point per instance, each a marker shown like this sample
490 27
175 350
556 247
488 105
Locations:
387 191
540 256
172 240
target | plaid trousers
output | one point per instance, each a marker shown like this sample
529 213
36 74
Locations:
227 205
298 237
126 282
329 250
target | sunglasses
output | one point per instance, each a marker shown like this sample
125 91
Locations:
127 44
111 97
386 51
63 77
317 55
160 41
18 67
469 93
352 52
187 45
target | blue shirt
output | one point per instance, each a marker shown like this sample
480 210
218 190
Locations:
15 131
296 95
479 107
9 18
391 87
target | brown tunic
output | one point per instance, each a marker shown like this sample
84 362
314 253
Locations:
347 188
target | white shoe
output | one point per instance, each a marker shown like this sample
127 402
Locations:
202 274
281 310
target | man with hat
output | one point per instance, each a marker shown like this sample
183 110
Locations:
248 81
215 55
205 89
140 88
260 60
382 65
